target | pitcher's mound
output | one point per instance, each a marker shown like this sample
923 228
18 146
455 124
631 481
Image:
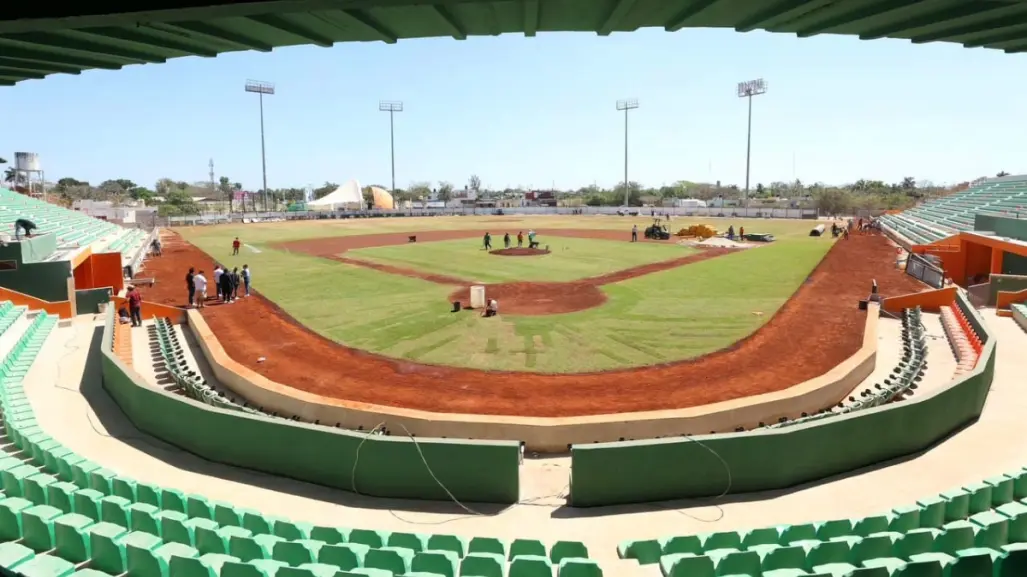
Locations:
529 298
519 251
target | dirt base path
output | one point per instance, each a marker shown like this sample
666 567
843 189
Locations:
815 330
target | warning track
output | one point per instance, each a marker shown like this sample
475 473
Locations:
816 329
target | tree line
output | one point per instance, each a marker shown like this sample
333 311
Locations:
179 198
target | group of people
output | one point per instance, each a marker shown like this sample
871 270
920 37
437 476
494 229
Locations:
226 285
507 241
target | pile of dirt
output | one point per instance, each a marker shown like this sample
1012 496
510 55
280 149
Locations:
519 251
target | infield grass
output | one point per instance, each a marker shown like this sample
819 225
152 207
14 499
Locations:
671 315
569 259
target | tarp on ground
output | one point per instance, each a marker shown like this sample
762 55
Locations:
346 196
382 199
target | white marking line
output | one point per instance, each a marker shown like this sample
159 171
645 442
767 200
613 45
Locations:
253 248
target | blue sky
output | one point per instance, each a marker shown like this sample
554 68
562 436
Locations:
537 112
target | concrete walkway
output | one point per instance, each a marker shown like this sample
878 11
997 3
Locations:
71 405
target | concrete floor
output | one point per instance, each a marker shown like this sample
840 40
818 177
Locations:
71 405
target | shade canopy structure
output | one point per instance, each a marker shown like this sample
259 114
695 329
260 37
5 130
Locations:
42 38
348 195
382 199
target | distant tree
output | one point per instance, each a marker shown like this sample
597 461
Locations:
325 189
445 191
419 190
474 183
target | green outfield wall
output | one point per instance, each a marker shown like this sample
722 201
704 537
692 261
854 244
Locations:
380 466
713 465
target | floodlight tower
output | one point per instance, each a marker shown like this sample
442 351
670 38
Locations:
262 88
392 107
748 89
626 105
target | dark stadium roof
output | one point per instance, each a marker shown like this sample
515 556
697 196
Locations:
44 37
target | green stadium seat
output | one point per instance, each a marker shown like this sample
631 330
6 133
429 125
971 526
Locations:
308 570
526 547
256 568
530 566
394 559
443 563
71 537
45 566
11 554
345 556
482 565
329 535
10 517
38 526
296 552
645 552
146 561
458 545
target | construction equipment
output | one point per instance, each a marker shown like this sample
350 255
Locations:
657 231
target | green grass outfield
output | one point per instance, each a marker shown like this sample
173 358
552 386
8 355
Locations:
672 315
570 259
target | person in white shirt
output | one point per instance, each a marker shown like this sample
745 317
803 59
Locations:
491 309
201 289
218 271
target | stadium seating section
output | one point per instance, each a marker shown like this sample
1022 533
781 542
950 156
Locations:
188 380
59 511
943 217
73 229
901 382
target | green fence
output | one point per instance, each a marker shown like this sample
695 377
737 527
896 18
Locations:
398 467
88 301
713 465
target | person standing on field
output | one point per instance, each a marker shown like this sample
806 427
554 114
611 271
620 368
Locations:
200 282
226 287
236 281
135 306
246 278
634 233
235 246
190 285
506 240
218 271
488 241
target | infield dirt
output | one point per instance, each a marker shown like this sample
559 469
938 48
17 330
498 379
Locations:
816 329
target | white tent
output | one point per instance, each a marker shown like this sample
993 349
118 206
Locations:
348 195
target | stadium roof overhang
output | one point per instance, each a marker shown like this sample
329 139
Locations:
42 38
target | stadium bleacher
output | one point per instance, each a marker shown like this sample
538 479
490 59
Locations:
943 217
901 382
73 229
63 515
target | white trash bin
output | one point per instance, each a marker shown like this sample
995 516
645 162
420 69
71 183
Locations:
477 297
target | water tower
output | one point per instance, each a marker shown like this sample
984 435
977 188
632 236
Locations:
28 173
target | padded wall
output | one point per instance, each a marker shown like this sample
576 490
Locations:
711 465
396 466
1002 225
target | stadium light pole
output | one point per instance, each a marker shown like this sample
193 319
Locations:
748 89
392 107
626 105
261 88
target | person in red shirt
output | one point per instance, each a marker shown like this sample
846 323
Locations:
235 246
135 306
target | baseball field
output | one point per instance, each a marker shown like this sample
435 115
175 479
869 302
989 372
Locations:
345 305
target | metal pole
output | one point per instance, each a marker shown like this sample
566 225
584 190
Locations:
625 157
748 153
263 156
392 147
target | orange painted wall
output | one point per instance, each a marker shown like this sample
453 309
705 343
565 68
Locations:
84 274
930 301
100 270
151 310
61 309
1005 298
978 260
107 271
